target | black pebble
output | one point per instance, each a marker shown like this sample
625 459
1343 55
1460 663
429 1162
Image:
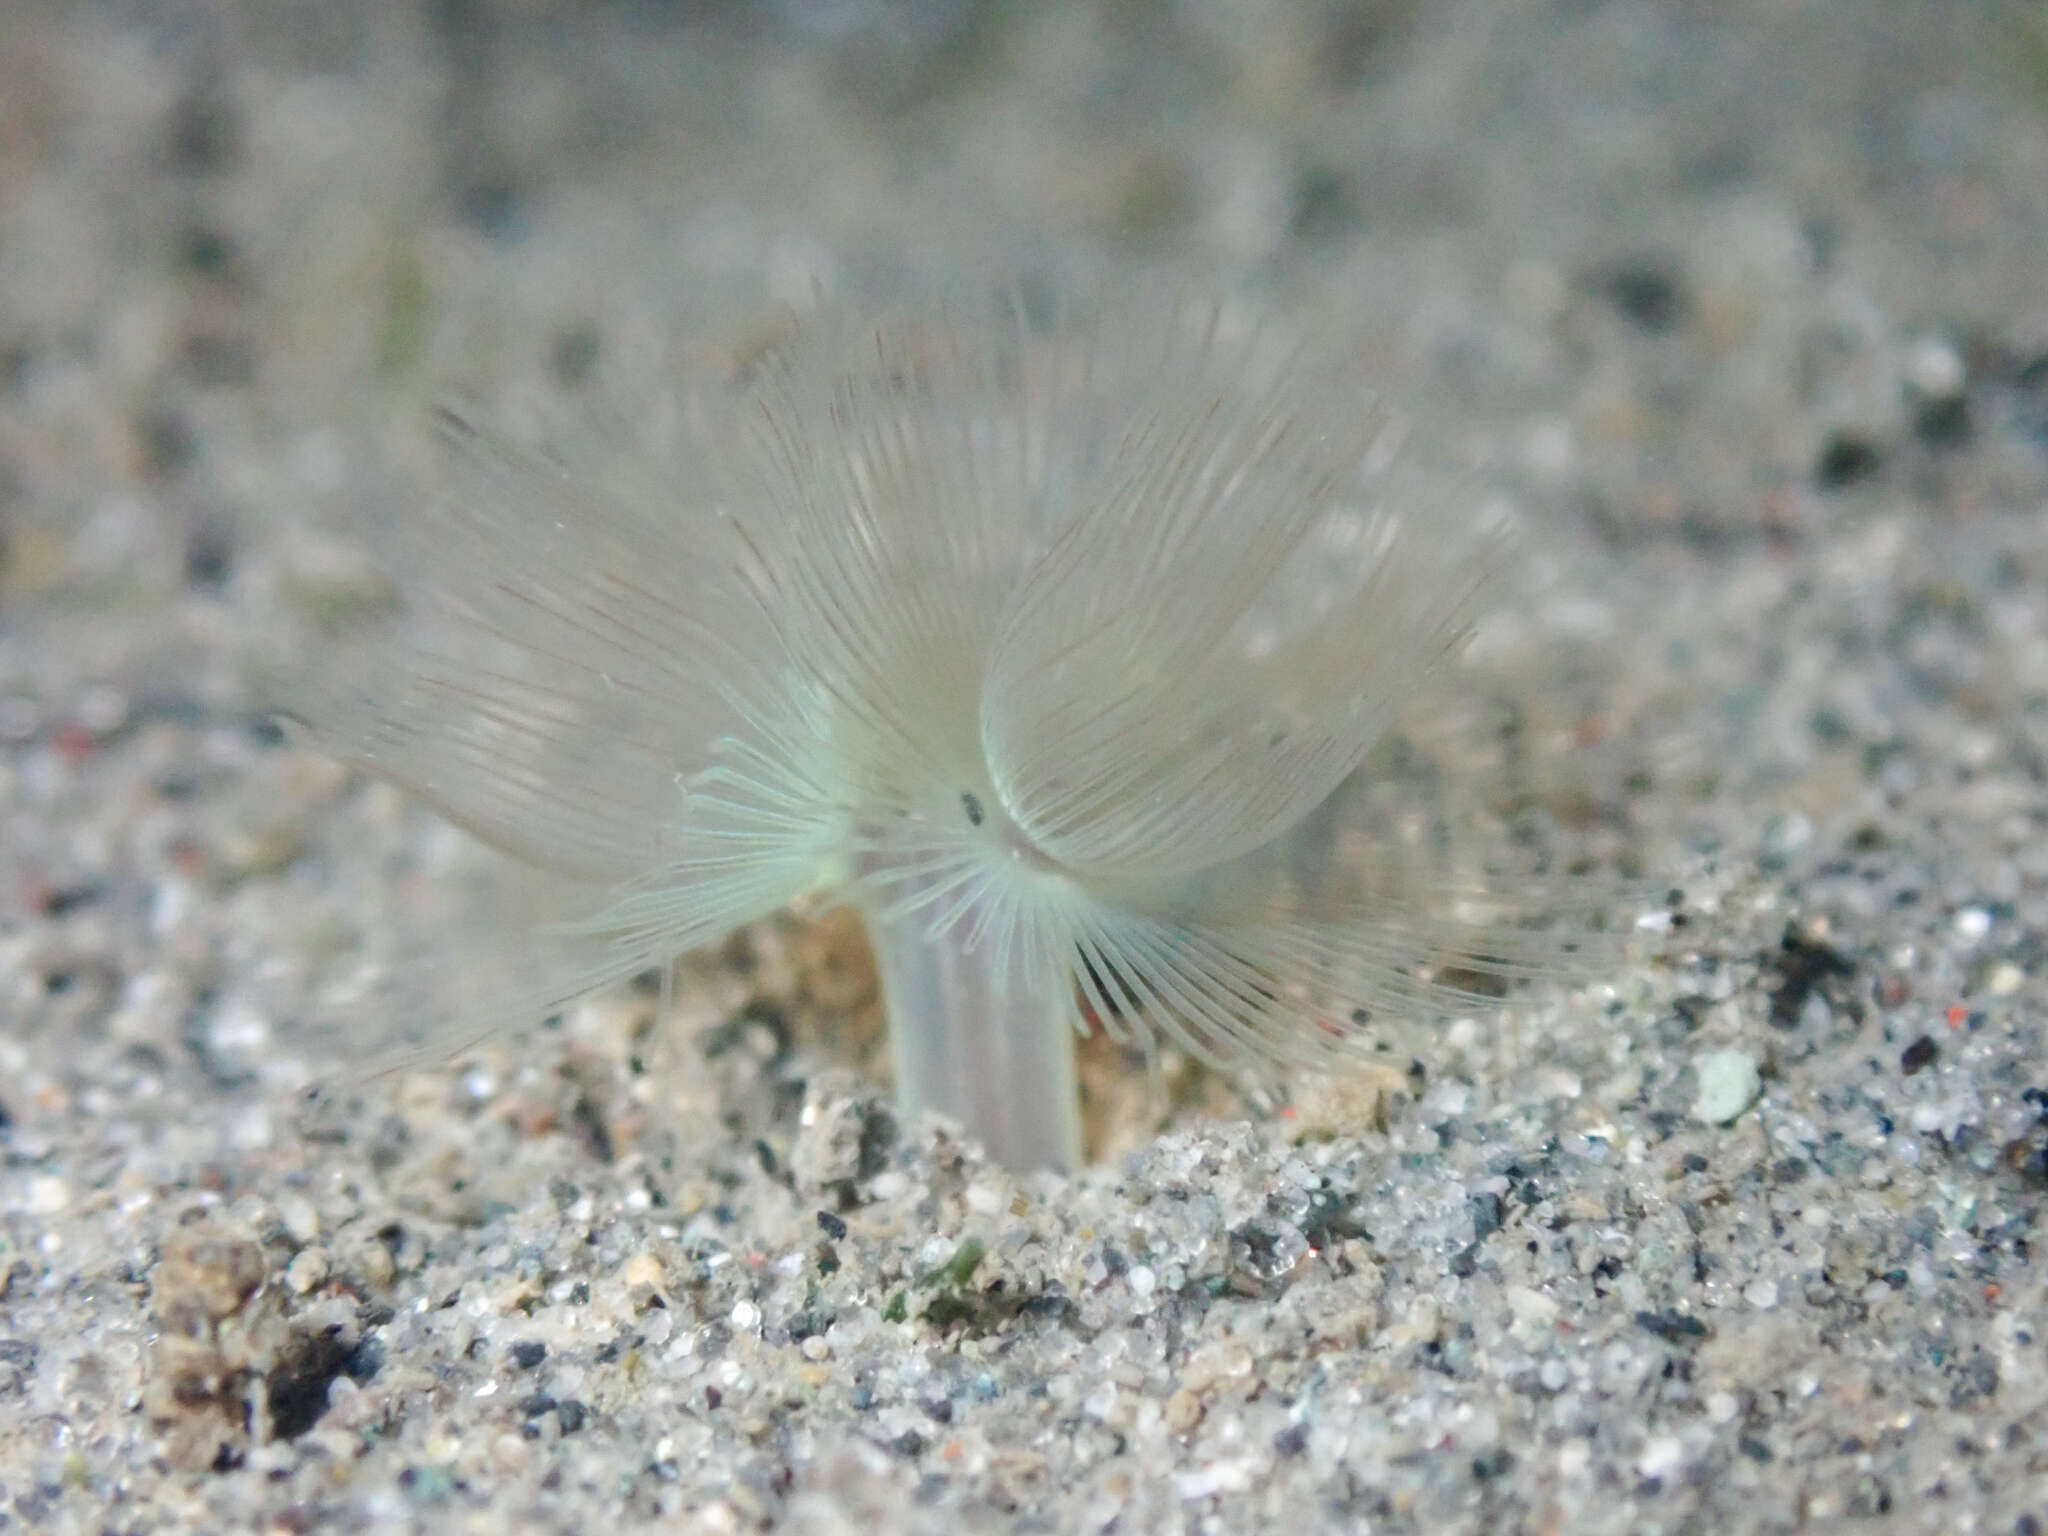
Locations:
1487 1215
573 354
1671 1325
1944 422
206 250
209 557
203 134
1846 459
1648 294
490 203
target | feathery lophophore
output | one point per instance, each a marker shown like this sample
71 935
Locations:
1046 643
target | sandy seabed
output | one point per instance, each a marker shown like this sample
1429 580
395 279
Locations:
1740 1237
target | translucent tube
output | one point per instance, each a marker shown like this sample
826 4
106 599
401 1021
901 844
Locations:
978 1042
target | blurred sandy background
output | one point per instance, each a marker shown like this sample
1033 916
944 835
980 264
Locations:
1751 297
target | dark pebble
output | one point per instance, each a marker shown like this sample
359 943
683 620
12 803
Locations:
1844 460
209 557
1672 1326
206 250
1498 1464
573 354
1943 423
204 134
490 202
1487 1215
1648 294
1919 1056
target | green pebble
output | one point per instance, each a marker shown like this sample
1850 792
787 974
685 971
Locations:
1729 1084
